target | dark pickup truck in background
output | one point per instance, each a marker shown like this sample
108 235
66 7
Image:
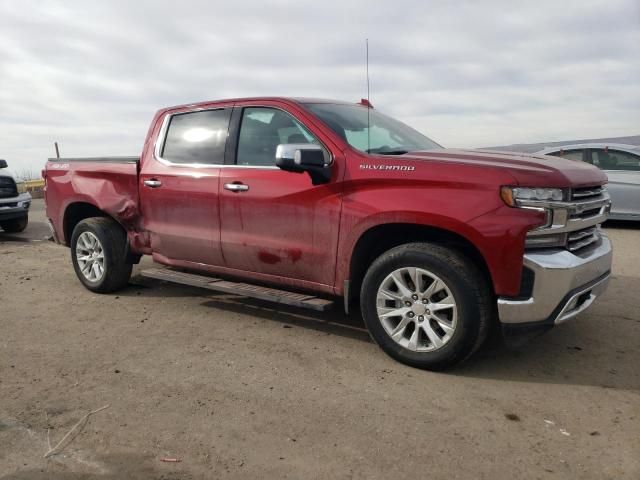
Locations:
303 201
14 206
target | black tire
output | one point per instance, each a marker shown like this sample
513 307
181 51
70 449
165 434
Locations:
15 225
467 284
113 240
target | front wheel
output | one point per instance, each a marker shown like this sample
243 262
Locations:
98 247
426 305
16 225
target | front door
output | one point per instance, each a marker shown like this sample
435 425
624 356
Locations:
275 222
179 187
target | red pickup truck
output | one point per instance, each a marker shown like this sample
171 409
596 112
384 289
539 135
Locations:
312 200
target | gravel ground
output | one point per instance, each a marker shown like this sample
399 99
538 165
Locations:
236 388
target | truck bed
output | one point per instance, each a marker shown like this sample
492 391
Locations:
115 159
109 184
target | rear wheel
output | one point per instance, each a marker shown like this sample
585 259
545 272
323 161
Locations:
426 305
98 253
15 225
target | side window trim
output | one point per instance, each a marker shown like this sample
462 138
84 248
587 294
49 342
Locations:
162 138
587 156
231 151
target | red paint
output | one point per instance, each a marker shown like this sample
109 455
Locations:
294 254
286 231
269 258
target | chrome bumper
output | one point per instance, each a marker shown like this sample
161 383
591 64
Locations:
565 284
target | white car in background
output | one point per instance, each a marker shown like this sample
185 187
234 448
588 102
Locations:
620 162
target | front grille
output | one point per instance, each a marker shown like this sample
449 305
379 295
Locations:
592 212
575 223
582 238
8 188
588 202
587 193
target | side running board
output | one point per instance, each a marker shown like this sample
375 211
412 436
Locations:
237 288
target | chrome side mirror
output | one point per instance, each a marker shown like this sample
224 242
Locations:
304 157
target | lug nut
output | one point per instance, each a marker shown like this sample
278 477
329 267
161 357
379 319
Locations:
420 318
414 296
411 314
408 304
425 301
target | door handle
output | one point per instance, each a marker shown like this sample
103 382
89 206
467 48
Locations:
236 187
153 183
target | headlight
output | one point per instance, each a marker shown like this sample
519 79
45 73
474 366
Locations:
519 196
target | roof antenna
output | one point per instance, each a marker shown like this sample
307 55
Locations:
368 102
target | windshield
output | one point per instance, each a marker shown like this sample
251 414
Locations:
385 136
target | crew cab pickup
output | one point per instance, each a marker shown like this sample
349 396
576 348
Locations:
312 200
14 205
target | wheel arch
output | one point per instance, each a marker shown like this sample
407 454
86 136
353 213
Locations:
380 238
76 212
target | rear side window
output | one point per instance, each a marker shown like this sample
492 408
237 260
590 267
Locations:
615 160
197 137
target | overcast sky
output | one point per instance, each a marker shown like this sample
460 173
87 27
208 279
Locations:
465 73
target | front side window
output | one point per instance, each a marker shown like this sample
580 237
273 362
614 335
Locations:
369 131
615 160
262 130
197 137
569 154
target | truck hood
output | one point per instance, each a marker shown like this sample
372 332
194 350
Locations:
527 169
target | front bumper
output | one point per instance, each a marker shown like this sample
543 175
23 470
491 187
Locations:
564 285
15 207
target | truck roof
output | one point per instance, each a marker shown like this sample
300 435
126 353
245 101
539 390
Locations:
298 100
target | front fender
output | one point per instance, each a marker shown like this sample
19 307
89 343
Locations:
498 234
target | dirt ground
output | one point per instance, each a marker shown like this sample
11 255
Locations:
235 388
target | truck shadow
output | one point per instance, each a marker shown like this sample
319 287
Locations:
334 322
567 354
35 232
596 349
622 224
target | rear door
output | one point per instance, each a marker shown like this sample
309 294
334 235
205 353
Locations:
276 223
179 186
